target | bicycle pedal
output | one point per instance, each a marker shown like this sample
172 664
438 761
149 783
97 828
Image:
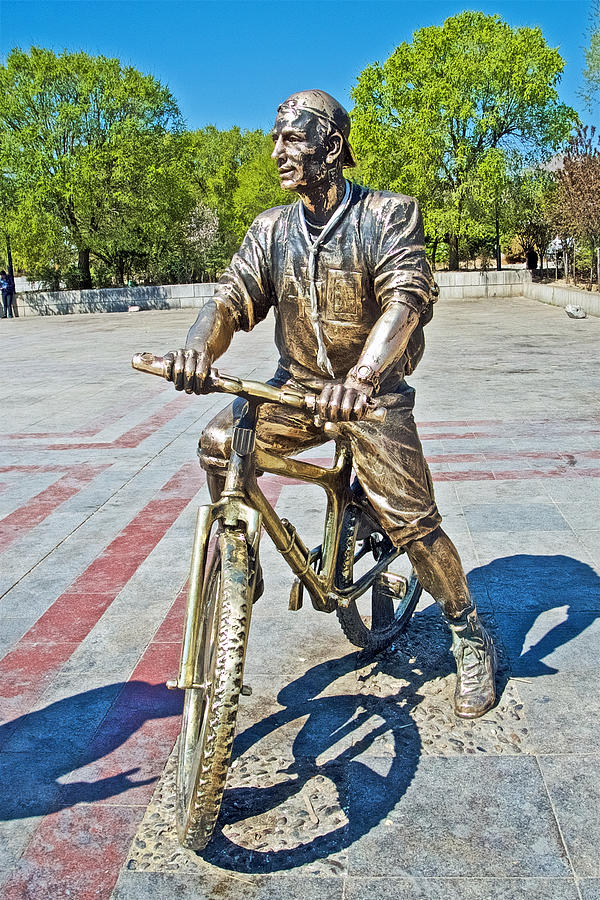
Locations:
392 585
246 690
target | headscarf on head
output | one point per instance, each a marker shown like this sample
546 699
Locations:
326 108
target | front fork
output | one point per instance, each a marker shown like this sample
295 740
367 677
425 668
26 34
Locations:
233 512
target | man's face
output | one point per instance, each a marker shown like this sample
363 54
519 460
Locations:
299 150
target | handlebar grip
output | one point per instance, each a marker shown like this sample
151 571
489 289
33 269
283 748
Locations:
148 362
228 384
373 413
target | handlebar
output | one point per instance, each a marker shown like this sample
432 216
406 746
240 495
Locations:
249 390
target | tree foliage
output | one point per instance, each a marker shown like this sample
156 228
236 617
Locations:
91 146
432 119
578 196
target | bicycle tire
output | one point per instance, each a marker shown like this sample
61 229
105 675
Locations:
209 713
390 622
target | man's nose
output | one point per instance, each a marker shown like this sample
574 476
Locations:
277 148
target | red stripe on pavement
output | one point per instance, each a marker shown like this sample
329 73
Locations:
485 455
89 843
514 474
98 423
74 853
39 507
455 436
72 616
137 434
52 468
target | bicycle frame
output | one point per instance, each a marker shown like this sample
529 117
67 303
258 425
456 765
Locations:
243 504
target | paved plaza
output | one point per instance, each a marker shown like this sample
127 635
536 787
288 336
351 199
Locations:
352 779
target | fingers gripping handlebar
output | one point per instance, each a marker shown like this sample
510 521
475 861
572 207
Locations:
249 390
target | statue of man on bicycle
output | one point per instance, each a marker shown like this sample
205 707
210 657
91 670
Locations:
345 272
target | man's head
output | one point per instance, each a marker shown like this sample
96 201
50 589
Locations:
310 139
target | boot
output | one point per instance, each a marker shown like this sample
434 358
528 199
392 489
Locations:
475 656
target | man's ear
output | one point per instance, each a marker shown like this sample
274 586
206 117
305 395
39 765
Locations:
335 146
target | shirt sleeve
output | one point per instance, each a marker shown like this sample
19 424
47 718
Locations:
401 271
245 287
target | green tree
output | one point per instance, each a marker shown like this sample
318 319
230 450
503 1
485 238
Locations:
258 186
91 145
528 209
426 120
233 173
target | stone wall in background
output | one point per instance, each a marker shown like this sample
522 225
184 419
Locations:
453 285
61 303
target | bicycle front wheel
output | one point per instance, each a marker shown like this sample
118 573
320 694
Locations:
210 708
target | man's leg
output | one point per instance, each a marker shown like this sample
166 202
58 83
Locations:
439 569
391 468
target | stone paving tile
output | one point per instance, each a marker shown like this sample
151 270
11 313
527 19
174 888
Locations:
589 888
468 887
573 784
514 517
553 640
492 545
563 711
582 516
15 833
582 490
225 886
591 541
539 581
429 832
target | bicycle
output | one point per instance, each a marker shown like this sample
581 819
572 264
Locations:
354 556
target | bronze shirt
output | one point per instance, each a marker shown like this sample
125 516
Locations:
373 257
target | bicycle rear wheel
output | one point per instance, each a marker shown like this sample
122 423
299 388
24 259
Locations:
210 710
377 618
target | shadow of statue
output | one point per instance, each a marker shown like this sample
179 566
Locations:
540 603
46 745
367 746
340 737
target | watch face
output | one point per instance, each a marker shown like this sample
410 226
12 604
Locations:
365 373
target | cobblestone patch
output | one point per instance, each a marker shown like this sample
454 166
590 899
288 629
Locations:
286 810
299 810
416 678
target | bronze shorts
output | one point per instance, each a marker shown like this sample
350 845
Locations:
388 458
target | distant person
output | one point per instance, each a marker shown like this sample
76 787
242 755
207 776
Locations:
531 259
7 283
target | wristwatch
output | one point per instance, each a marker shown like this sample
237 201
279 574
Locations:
365 378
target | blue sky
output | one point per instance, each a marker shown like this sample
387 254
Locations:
231 63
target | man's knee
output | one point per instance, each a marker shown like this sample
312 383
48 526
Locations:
214 445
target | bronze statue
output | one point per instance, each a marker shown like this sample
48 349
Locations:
345 271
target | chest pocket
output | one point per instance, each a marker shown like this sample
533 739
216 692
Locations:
344 296
292 302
